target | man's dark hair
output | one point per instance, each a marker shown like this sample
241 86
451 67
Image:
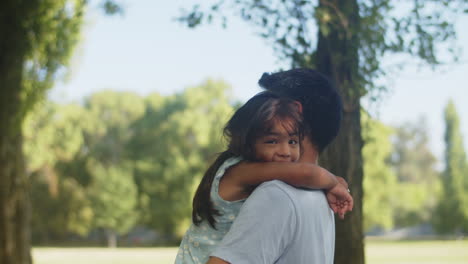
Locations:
321 103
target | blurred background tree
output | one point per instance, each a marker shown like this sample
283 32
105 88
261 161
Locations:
402 185
418 180
112 189
113 197
380 182
452 210
53 135
412 158
171 148
121 161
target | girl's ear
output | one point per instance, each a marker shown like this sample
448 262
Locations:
299 106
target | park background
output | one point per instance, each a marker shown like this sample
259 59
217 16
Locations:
116 149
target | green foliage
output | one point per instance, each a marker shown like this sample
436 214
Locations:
122 160
401 185
45 131
113 197
56 215
53 30
452 210
414 203
108 124
107 131
412 159
82 149
172 146
418 180
53 135
380 183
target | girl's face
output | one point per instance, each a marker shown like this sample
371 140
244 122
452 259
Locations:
279 144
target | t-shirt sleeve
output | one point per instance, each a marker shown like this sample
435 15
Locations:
263 229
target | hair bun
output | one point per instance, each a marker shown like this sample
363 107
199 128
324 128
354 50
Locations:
267 80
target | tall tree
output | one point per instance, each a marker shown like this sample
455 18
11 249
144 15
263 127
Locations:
345 39
36 40
452 213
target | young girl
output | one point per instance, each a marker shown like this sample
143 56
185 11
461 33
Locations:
263 136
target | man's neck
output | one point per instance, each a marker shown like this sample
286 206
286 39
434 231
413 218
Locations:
309 153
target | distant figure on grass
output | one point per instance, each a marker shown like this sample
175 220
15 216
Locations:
264 144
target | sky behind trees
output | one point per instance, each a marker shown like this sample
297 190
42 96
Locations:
146 51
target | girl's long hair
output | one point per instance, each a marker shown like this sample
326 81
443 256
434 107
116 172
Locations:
250 121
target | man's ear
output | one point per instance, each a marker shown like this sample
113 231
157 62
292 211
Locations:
310 152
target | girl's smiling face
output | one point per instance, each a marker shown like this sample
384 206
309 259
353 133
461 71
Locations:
279 144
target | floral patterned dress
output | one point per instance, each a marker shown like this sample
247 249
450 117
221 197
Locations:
199 241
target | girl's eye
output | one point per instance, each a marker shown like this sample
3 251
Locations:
271 141
293 142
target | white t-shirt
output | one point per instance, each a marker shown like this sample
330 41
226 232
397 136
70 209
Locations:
281 224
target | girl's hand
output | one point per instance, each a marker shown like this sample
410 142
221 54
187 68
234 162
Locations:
339 198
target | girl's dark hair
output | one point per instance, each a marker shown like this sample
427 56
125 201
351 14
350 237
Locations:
249 122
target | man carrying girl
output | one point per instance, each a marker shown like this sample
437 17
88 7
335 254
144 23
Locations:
274 138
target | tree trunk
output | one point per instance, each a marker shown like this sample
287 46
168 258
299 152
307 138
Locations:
14 199
338 58
14 202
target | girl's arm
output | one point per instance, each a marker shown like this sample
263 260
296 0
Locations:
240 179
299 174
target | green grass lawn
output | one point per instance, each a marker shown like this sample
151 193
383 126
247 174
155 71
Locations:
378 252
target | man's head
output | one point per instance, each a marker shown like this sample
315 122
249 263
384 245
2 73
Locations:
321 103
